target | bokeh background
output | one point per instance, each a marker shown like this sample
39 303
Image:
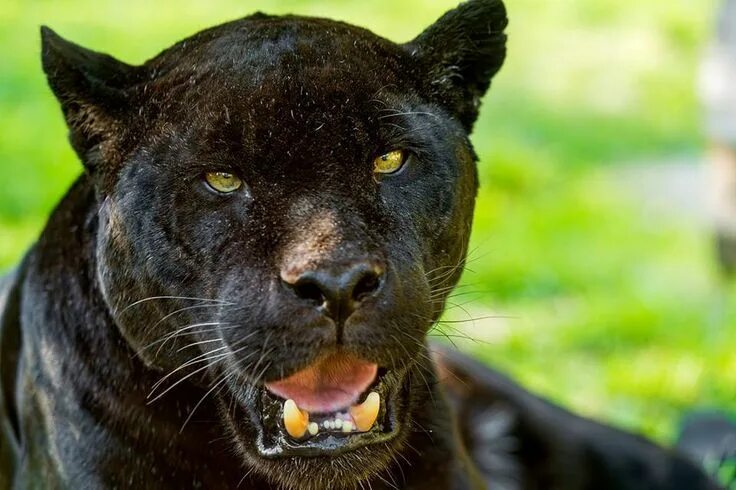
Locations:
591 278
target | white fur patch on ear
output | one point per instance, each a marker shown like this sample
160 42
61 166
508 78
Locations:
461 53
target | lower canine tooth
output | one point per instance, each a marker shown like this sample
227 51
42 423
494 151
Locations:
347 426
365 414
296 421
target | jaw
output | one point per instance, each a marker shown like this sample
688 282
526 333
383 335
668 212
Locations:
343 459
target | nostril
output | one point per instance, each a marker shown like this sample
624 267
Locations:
309 290
366 286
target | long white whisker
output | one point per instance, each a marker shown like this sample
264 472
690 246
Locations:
183 298
183 309
224 379
196 360
180 332
208 365
199 343
415 113
176 333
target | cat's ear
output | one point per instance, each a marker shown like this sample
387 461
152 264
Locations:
93 90
459 55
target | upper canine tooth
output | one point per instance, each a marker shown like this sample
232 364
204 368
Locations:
296 421
365 414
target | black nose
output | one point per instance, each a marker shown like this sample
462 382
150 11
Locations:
340 290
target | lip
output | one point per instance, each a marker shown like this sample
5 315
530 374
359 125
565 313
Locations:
265 411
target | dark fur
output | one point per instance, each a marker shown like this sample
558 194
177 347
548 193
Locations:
298 108
521 441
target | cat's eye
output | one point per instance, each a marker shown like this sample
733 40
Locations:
223 182
389 163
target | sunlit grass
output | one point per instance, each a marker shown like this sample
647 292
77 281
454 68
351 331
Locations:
606 308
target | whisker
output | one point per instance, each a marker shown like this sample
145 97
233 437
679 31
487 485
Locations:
182 298
194 344
245 476
201 400
238 342
426 383
198 370
471 320
415 113
449 337
188 308
467 293
196 360
460 306
443 334
177 333
387 482
439 292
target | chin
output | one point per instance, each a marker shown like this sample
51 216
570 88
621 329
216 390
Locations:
339 421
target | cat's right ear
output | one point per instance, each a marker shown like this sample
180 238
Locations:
94 92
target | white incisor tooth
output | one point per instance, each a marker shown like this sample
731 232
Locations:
313 428
295 421
365 414
337 423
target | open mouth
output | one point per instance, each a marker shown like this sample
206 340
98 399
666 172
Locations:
337 404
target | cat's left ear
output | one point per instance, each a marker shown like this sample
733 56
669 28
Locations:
460 54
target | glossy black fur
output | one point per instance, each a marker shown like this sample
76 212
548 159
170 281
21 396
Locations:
142 268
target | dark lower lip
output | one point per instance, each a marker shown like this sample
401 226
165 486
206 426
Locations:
273 442
324 444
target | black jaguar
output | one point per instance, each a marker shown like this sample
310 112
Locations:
236 292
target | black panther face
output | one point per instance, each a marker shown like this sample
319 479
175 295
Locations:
285 205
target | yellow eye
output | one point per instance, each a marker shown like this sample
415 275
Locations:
390 162
223 182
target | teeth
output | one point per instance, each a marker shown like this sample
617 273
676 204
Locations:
296 421
297 425
365 414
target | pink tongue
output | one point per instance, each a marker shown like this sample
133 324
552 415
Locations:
333 383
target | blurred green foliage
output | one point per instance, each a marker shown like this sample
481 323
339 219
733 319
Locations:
575 291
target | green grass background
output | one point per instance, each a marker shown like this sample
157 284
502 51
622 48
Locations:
601 307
